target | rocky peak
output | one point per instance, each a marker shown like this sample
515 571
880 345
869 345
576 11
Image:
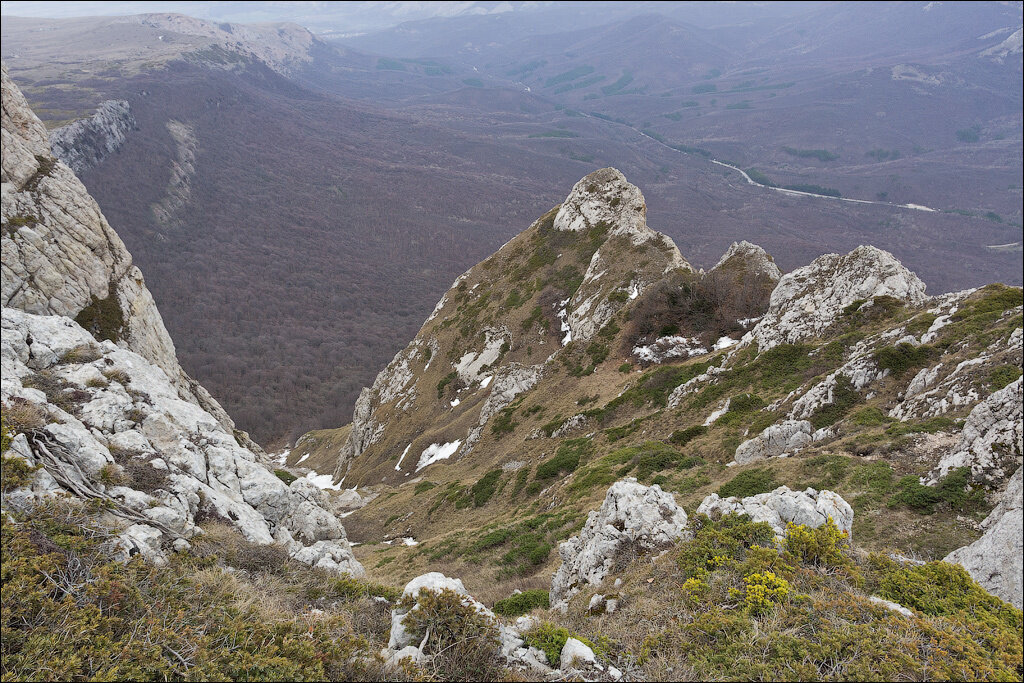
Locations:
750 258
809 300
546 295
606 197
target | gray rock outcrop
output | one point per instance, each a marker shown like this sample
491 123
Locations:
809 300
992 441
779 507
785 437
632 517
606 198
85 143
996 560
113 426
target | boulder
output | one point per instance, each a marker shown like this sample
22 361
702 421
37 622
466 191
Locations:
575 653
809 507
333 556
633 516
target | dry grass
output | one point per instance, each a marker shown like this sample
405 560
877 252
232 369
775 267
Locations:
23 416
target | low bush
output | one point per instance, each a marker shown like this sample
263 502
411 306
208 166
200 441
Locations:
567 459
521 603
953 491
749 483
462 643
485 488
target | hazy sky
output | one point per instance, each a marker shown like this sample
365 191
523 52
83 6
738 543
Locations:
356 15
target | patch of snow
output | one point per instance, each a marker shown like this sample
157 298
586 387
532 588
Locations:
398 467
563 315
486 381
302 459
724 343
455 402
634 289
664 348
470 365
409 541
323 481
918 207
435 452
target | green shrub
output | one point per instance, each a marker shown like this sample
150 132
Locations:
749 483
903 357
651 457
522 476
1001 376
503 423
824 546
681 437
720 543
870 417
463 642
953 489
941 589
550 639
566 459
15 472
521 603
844 397
444 382
928 426
484 489
423 487
103 318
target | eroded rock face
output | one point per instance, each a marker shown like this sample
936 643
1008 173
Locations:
808 507
996 560
107 414
809 300
87 142
633 516
992 441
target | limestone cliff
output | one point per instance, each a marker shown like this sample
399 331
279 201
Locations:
93 391
84 144
61 257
